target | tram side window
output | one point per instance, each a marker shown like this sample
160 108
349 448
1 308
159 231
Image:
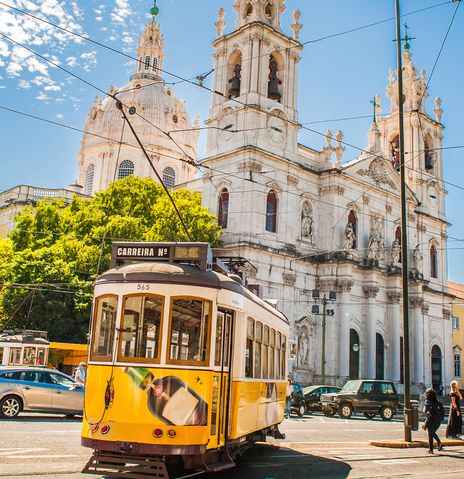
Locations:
277 356
272 354
141 328
283 357
189 331
258 348
265 352
103 328
218 347
249 348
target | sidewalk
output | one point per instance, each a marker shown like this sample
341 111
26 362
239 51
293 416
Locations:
401 444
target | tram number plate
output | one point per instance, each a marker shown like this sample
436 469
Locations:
143 287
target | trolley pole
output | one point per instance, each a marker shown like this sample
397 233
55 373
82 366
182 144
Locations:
404 238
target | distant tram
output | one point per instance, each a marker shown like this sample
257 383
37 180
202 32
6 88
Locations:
187 368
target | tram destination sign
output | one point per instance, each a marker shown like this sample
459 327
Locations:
198 253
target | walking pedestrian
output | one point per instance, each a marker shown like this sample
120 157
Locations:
434 415
80 373
289 395
454 428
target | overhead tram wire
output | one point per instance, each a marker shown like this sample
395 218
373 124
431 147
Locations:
199 85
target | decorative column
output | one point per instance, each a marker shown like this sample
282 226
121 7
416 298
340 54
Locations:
344 288
418 338
369 350
395 333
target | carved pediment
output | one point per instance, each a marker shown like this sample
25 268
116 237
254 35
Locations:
378 172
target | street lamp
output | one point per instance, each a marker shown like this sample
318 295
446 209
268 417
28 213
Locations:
324 300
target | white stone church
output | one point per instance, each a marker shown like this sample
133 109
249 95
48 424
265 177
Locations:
304 218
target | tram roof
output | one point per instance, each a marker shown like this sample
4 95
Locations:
181 274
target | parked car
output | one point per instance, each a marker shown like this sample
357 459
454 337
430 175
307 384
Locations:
371 397
298 402
312 396
38 390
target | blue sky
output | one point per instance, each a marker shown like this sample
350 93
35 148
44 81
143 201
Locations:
338 76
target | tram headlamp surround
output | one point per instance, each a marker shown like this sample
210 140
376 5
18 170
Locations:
158 433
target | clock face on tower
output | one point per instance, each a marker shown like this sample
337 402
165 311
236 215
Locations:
227 124
277 129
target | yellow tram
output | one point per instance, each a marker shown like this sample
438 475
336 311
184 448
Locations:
186 366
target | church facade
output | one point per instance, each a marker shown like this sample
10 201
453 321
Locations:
309 221
321 233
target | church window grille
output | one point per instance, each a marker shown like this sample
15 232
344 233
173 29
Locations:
126 168
352 218
169 177
271 212
147 62
155 64
175 119
89 180
223 208
433 262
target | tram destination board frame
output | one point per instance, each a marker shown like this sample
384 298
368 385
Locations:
170 252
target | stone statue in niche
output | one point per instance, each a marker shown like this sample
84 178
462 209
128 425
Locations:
374 247
303 348
349 239
416 263
307 230
395 254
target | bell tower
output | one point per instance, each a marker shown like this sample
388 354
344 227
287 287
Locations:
255 77
423 136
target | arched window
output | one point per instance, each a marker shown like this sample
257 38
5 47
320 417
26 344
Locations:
155 64
273 91
353 220
235 74
398 238
169 177
433 262
88 189
395 151
147 62
126 168
223 208
248 10
140 63
428 153
271 212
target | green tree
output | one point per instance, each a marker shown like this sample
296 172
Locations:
49 262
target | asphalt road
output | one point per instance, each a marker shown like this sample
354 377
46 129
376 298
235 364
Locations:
315 447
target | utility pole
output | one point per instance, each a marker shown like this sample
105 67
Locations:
324 304
404 237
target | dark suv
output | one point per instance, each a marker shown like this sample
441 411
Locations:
370 397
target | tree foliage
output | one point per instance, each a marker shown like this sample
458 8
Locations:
49 262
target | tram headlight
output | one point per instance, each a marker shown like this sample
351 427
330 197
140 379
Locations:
105 429
171 433
158 433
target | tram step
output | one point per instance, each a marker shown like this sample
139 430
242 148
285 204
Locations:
125 466
219 466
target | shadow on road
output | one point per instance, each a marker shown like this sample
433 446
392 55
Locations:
271 462
42 418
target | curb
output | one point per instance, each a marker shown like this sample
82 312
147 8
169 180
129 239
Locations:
413 444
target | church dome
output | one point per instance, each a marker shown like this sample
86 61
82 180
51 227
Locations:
153 110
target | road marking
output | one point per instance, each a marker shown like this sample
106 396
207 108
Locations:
19 450
396 461
44 456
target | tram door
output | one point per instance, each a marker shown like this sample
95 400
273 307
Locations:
222 360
